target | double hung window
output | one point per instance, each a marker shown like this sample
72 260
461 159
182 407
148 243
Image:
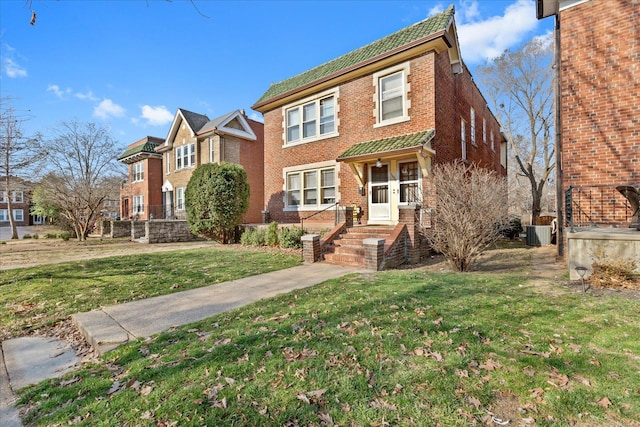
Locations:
391 96
4 215
137 172
18 197
180 198
463 138
311 188
138 204
185 156
18 215
311 120
473 126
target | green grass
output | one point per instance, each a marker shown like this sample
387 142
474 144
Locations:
398 348
37 297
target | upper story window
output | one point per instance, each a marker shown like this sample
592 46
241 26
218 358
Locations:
18 197
484 130
472 113
493 145
137 172
185 156
311 120
168 162
311 188
463 138
3 196
211 150
392 89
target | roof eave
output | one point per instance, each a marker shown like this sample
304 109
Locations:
385 154
133 158
408 50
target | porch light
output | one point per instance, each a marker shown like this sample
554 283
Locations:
379 163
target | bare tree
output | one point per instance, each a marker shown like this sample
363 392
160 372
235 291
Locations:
82 163
470 212
519 85
19 154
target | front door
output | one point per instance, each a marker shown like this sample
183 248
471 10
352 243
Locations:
379 200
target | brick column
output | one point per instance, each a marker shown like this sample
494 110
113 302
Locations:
311 247
373 253
410 215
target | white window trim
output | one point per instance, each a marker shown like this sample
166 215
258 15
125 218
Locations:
493 143
406 105
418 181
15 215
15 199
191 150
180 207
472 115
211 152
4 215
484 131
137 176
306 168
168 163
137 201
463 139
335 92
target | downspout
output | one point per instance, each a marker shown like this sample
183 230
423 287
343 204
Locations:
558 126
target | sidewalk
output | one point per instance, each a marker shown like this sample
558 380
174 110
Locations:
112 326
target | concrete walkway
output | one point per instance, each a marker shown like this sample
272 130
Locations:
28 360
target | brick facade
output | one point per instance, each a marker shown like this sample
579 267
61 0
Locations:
600 106
438 97
20 197
215 145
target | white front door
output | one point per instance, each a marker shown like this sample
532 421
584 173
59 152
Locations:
379 195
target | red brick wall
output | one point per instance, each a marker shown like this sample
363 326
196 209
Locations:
437 98
600 78
252 160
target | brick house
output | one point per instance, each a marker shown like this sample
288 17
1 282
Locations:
194 139
598 137
363 129
141 194
20 199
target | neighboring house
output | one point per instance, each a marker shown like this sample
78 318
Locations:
141 193
194 140
363 129
598 112
20 198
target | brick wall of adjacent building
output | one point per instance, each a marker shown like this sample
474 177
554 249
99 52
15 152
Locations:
437 100
600 77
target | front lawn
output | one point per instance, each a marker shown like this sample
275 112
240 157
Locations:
405 348
36 297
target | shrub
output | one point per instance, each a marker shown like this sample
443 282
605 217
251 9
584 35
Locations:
50 236
216 198
470 212
254 237
272 234
27 236
612 273
2 242
35 236
65 235
513 228
291 237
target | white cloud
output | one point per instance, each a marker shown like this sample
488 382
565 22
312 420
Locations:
436 9
89 96
57 91
14 70
486 39
154 116
256 117
107 108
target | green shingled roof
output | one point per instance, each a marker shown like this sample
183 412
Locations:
388 144
147 147
403 37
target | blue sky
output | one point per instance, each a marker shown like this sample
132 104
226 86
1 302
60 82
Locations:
130 64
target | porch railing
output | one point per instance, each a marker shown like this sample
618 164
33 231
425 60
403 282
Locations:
602 205
336 205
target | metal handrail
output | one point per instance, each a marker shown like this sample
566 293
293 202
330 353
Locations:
320 211
599 205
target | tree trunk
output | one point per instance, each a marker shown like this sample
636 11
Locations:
12 221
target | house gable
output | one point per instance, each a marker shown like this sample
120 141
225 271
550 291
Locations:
232 123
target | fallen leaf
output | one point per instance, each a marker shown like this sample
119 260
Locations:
604 402
490 365
473 402
437 356
381 404
146 390
115 387
462 373
529 371
325 418
146 415
305 399
317 393
438 321
69 382
575 347
583 380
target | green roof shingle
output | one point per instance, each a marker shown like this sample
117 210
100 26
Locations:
147 147
386 145
401 38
